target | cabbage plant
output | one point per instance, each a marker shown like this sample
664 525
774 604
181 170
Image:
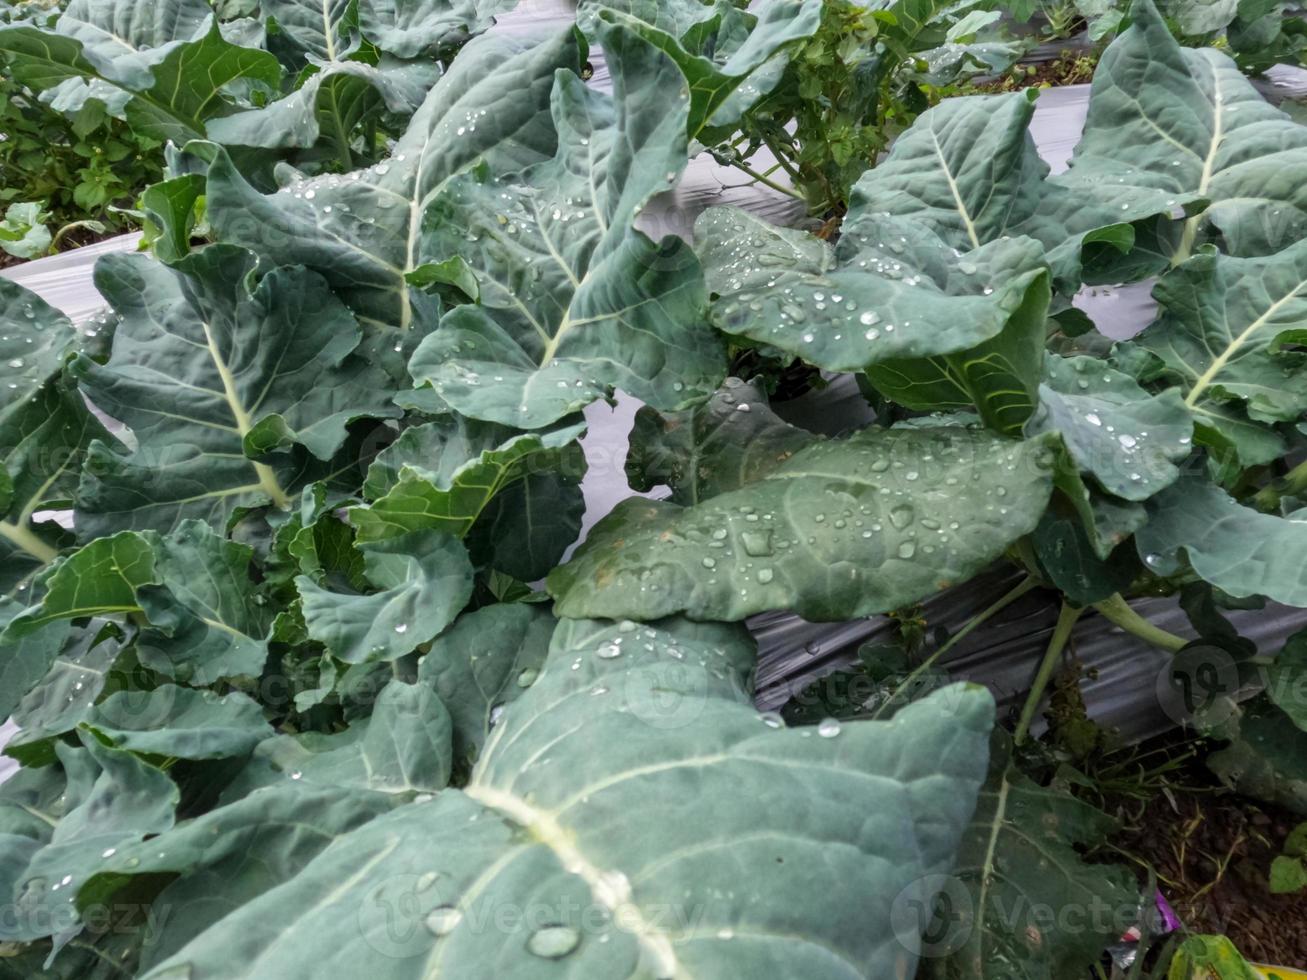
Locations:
305 686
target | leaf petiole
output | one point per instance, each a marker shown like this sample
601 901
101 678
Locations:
1066 621
1118 612
20 536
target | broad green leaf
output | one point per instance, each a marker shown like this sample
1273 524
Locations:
100 579
114 799
33 800
1222 338
843 529
727 442
333 101
730 58
171 210
968 169
363 231
176 76
892 295
125 38
325 29
951 42
1237 549
1286 680
23 233
24 662
317 543
1070 552
606 807
419 28
486 660
1230 434
1107 520
193 587
205 365
996 378
230 856
63 697
43 445
527 528
1265 757
1212 956
574 300
35 340
1202 16
1266 33
403 748
446 474
1183 127
1287 875
44 430
1127 439
426 579
1019 857
209 621
180 722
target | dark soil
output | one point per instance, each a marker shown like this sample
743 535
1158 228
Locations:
1069 68
1211 851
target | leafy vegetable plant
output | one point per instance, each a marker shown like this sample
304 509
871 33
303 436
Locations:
302 681
63 172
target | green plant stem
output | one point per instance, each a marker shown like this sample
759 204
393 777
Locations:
59 235
782 160
765 181
1187 238
1118 612
985 614
1066 621
1291 484
21 536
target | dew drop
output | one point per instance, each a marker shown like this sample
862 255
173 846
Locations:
443 920
901 516
427 880
553 942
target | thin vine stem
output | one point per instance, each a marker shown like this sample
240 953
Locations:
1066 621
62 232
781 159
765 181
977 620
